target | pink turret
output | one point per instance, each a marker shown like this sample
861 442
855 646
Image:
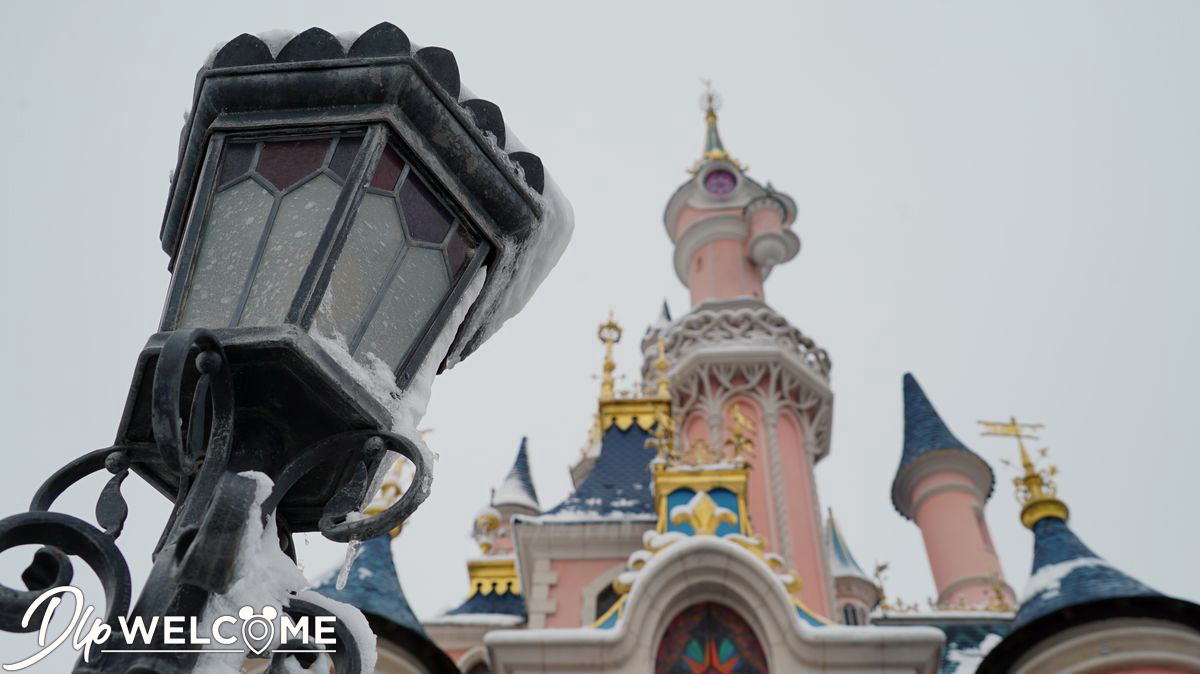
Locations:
942 486
737 365
728 231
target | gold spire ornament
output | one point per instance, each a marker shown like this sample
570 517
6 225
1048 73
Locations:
609 334
1035 489
714 149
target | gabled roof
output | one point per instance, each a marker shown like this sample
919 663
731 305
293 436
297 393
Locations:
1067 573
619 484
842 563
517 488
373 586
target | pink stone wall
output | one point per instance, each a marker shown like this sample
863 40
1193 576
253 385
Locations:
957 540
573 576
765 220
804 513
799 513
720 270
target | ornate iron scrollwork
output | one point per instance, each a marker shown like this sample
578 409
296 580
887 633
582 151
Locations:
194 440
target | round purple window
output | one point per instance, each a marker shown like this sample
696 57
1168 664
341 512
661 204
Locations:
720 182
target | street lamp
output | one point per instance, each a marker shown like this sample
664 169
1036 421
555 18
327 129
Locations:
342 218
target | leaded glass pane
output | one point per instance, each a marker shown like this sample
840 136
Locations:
231 233
295 233
412 297
285 162
343 156
235 161
372 245
461 247
426 219
388 170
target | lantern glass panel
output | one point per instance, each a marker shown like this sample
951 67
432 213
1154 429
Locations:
372 248
234 226
419 286
303 214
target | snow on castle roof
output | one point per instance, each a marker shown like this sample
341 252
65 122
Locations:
1066 573
517 488
619 484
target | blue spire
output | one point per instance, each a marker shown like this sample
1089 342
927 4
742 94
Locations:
843 562
517 488
924 430
373 586
1067 573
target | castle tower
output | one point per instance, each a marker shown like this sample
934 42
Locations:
735 361
856 592
943 486
1079 613
495 600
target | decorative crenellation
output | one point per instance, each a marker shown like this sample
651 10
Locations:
744 325
494 575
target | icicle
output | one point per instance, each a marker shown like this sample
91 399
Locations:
352 549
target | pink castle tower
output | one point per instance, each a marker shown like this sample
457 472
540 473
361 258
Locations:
734 360
942 486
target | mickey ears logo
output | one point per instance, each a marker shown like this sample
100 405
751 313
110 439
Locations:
258 631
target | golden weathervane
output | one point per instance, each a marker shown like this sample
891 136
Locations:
1035 488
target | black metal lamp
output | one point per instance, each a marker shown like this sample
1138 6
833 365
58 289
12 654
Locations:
333 206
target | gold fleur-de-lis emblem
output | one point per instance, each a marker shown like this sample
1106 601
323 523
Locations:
703 514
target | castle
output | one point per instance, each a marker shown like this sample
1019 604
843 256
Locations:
694 541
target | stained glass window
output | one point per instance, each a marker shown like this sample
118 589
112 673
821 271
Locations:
709 638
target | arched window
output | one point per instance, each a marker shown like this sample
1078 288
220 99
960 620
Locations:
709 638
605 600
849 614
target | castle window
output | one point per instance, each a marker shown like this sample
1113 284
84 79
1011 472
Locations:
605 600
849 615
709 637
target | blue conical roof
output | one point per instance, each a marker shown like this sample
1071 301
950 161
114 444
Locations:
842 563
1067 573
517 488
926 433
924 430
373 587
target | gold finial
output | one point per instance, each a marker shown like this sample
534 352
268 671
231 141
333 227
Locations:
710 102
1036 491
609 333
390 491
660 367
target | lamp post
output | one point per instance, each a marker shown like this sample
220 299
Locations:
341 220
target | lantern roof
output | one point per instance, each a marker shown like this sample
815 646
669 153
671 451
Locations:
315 79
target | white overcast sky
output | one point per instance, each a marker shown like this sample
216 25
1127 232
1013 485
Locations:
1003 198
